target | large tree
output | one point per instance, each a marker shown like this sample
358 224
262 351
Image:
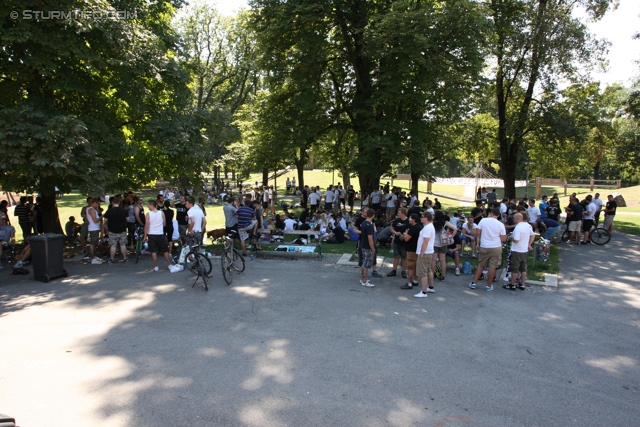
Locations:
386 69
77 95
535 43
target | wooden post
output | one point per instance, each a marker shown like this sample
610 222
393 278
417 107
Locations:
565 188
591 185
619 183
538 187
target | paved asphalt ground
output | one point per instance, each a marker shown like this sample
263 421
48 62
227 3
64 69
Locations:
301 343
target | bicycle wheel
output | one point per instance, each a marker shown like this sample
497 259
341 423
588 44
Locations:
599 236
238 261
565 236
197 263
227 267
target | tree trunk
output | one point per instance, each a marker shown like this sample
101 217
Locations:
265 177
415 179
346 178
300 169
508 171
596 171
50 216
369 181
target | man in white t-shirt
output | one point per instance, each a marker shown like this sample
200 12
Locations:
503 209
492 235
391 200
533 211
588 216
599 204
374 200
329 197
314 199
425 252
290 223
522 238
196 218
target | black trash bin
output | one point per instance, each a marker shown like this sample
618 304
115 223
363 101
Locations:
46 256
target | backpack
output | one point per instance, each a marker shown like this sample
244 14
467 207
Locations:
466 267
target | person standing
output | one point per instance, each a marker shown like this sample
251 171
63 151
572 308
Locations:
599 204
23 213
181 217
115 225
492 235
424 264
168 229
196 218
230 219
610 213
410 238
522 239
367 243
94 228
288 185
588 216
398 226
154 234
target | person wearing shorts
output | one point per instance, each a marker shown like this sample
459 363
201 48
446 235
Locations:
154 234
367 243
410 237
610 213
398 226
574 218
115 222
492 235
92 215
424 268
522 238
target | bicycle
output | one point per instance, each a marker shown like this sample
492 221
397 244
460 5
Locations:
231 260
597 235
138 235
197 263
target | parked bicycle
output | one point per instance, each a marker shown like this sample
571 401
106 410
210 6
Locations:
231 260
139 241
597 235
197 262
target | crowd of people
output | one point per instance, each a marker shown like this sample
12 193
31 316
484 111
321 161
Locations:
420 234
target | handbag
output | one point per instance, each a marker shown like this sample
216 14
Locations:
446 238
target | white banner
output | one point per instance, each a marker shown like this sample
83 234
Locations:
479 182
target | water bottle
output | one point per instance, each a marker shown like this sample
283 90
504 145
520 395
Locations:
146 245
251 257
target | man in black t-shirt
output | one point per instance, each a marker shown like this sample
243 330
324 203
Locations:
410 237
610 213
181 217
115 225
553 210
574 219
398 226
476 213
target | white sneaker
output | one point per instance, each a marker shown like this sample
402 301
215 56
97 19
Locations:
156 268
19 264
96 261
431 290
457 271
420 295
367 284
